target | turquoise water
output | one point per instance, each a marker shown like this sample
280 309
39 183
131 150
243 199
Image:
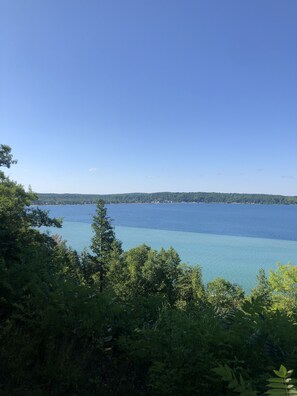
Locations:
235 258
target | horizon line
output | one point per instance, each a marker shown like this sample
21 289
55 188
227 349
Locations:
168 192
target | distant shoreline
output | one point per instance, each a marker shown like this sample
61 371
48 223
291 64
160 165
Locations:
165 198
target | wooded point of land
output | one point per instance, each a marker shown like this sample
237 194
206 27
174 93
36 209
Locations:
165 197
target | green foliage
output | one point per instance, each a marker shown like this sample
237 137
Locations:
102 243
236 383
282 384
178 345
223 294
143 271
160 273
68 259
189 285
262 290
6 156
283 283
17 218
150 328
103 232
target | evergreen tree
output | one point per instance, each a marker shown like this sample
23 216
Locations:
102 242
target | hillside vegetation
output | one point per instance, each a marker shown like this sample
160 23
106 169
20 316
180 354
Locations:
137 322
164 197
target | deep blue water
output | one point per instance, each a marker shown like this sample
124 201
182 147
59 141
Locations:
259 221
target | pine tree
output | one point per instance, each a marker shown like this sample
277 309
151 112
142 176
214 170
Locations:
102 241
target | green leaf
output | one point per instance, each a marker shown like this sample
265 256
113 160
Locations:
276 385
283 371
276 372
275 380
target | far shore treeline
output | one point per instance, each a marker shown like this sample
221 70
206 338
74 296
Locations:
165 197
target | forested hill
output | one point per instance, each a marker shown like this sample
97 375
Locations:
165 197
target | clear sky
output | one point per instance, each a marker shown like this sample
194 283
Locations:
110 96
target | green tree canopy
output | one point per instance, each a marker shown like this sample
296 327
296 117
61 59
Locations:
17 218
224 294
283 284
6 156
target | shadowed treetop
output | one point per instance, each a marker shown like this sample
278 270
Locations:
6 156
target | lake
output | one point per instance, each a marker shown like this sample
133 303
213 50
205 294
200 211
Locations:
230 241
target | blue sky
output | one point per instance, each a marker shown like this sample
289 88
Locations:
141 96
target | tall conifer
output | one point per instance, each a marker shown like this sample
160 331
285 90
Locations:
102 241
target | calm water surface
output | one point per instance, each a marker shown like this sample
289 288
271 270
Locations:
262 221
232 241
